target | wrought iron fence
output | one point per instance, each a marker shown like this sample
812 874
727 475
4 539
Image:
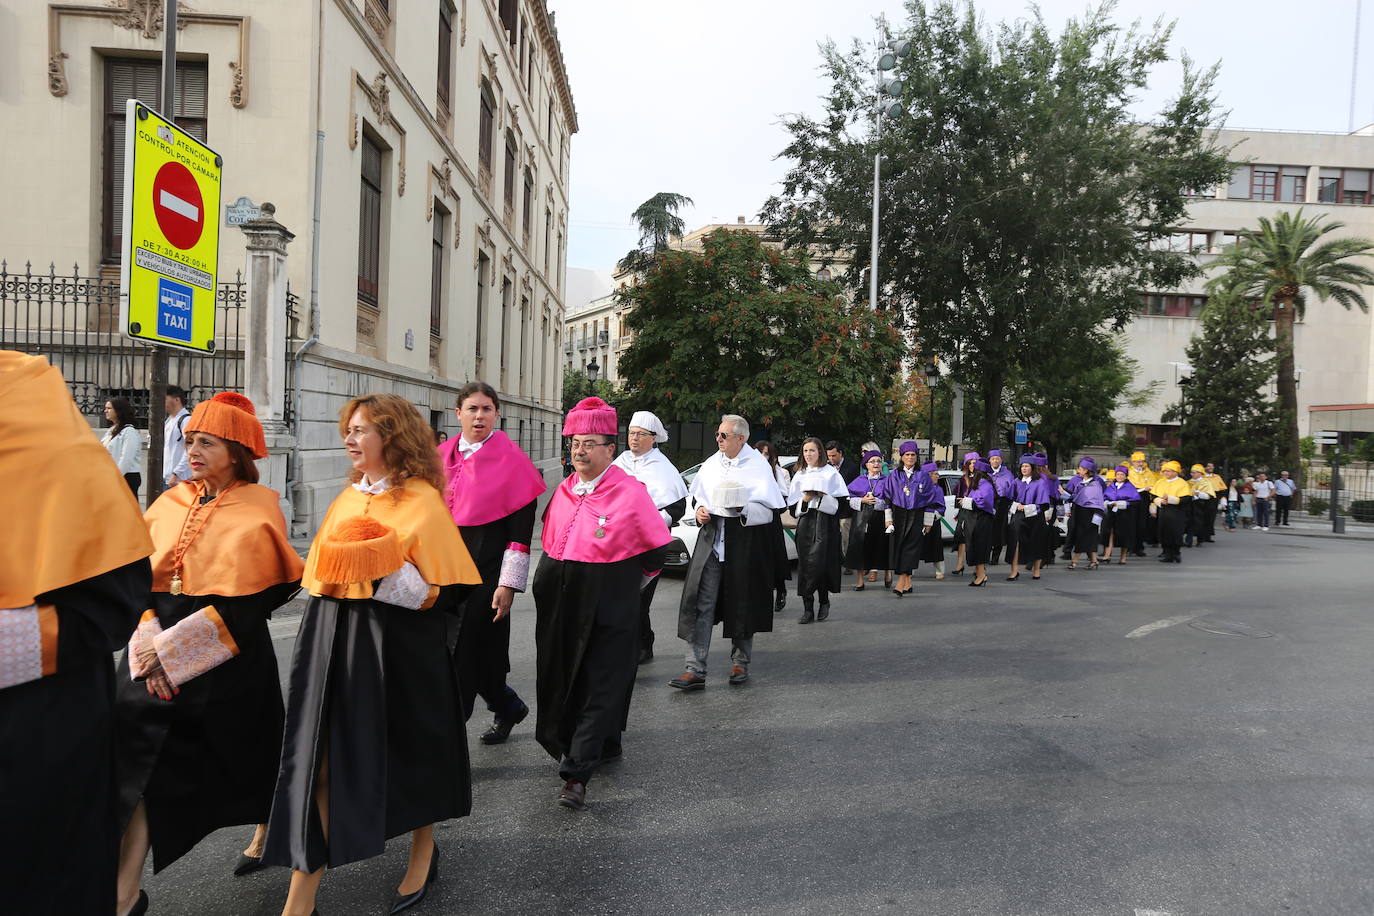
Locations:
74 322
294 339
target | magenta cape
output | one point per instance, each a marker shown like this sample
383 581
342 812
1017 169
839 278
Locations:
497 480
620 507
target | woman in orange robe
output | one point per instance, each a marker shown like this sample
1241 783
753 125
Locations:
199 709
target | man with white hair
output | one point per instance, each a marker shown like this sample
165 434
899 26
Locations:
644 462
735 563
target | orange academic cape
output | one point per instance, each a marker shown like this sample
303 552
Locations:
429 539
242 550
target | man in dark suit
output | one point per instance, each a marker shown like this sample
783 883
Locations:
849 470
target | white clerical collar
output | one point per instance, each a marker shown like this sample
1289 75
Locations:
467 448
585 487
370 488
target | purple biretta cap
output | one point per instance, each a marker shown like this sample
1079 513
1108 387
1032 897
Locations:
995 453
908 446
981 465
971 456
1089 462
930 466
1028 458
1040 460
871 453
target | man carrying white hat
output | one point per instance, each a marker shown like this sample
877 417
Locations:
643 461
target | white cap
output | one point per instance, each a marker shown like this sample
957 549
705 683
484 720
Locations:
645 420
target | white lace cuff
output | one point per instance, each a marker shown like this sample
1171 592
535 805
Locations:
28 644
197 644
404 588
515 566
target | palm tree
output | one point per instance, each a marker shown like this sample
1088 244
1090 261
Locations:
658 223
1278 266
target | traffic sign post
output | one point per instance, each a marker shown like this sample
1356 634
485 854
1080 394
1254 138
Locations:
171 233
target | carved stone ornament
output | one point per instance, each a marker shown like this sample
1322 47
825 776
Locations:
144 15
57 74
236 84
377 18
379 97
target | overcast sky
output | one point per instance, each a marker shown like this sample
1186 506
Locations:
687 97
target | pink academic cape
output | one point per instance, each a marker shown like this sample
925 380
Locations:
497 480
620 508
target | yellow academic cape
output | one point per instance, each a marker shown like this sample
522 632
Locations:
429 539
1142 480
1164 488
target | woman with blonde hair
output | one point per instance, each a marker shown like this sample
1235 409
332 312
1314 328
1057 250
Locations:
374 744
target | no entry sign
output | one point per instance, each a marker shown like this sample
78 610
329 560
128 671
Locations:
171 247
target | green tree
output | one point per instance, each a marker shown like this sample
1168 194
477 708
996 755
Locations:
659 224
576 386
1019 194
1279 265
742 328
1229 419
1070 402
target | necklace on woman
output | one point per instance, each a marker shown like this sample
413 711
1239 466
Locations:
184 542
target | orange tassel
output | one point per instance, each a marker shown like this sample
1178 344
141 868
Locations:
359 549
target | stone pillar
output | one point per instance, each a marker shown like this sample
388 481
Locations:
264 343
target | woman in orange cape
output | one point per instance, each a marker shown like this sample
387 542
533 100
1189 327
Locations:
374 742
199 710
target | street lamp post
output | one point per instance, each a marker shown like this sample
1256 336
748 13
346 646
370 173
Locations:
887 410
889 92
932 379
1183 385
592 370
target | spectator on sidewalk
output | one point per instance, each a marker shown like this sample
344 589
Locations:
175 468
1264 494
1284 488
1246 489
123 442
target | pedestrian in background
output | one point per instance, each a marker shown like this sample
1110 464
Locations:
784 478
1232 504
1284 488
174 466
733 570
492 487
849 471
123 442
198 714
646 463
74 579
374 745
1264 493
818 497
603 543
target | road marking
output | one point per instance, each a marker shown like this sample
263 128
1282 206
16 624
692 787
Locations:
1140 912
177 205
1146 631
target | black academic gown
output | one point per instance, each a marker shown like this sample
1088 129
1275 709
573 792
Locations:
587 639
57 789
375 685
818 549
483 644
870 547
751 569
208 757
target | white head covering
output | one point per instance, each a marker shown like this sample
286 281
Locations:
645 420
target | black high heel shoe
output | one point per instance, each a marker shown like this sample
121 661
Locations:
975 583
406 901
1013 578
957 572
247 865
141 905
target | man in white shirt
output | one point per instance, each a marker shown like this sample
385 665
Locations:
1284 488
175 467
1264 493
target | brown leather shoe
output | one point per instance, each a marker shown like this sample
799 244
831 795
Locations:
738 675
688 680
573 795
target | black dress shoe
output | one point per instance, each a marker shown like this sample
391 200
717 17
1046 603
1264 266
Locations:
780 603
247 865
646 654
573 795
404 902
500 728
823 610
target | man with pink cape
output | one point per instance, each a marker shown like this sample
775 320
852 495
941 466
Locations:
491 493
603 542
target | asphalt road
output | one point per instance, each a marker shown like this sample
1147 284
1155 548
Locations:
1136 740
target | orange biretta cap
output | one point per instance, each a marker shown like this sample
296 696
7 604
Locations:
230 415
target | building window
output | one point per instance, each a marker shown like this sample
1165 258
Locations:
140 79
509 177
823 274
483 271
509 12
445 52
1293 184
486 120
1170 305
1344 186
524 343
527 209
506 292
548 129
558 265
1264 181
370 222
1190 242
548 228
436 271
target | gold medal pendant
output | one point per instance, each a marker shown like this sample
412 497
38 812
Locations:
175 588
906 490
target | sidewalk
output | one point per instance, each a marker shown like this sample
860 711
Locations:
1309 526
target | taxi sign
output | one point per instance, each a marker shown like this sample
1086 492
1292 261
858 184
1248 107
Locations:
170 254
